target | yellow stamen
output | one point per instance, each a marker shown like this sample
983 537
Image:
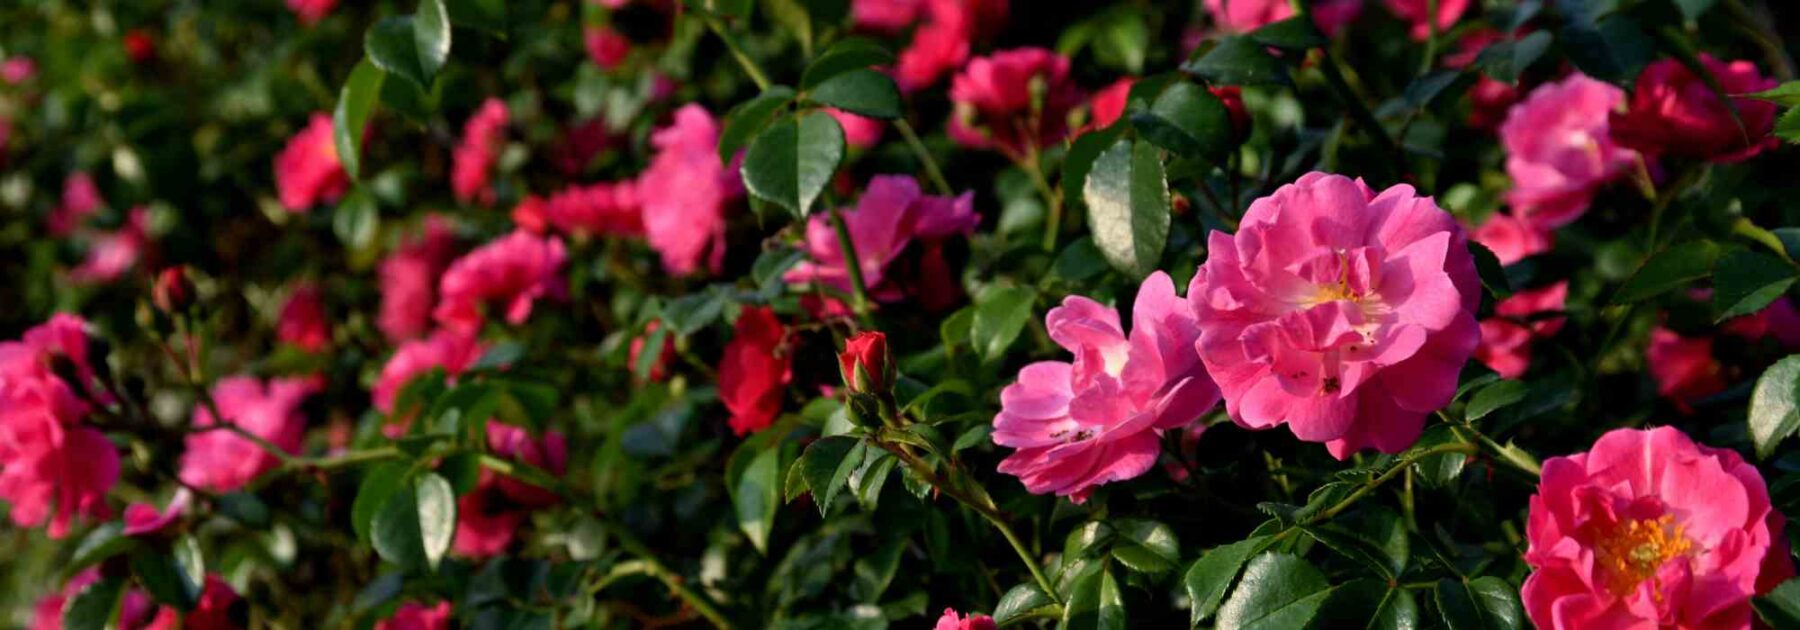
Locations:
1637 549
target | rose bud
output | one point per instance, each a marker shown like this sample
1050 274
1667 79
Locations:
172 291
864 363
139 46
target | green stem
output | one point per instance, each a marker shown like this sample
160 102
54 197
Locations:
1052 201
924 156
737 52
655 568
1359 111
852 262
1406 462
1665 198
1431 43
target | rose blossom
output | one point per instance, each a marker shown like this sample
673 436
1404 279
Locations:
1100 418
1510 239
943 42
511 272
1418 13
53 468
17 69
1559 149
952 621
409 279
212 612
1106 105
684 191
80 200
222 461
485 524
302 322
1650 530
307 170
598 209
549 453
1243 16
860 132
1779 320
755 371
890 215
1673 112
472 164
452 351
606 47
134 609
111 255
885 16
1506 338
143 518
417 616
998 102
1341 313
1684 367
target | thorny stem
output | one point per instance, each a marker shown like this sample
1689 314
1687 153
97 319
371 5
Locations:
924 156
1371 485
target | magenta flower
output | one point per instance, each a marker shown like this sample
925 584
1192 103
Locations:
80 200
953 621
311 11
549 453
1506 337
1241 16
222 461
53 468
302 323
1683 367
1674 112
417 616
111 255
1650 530
755 370
307 170
1559 149
409 279
886 16
891 215
598 209
1099 419
943 42
1014 101
1344 314
511 272
1512 240
472 164
860 132
606 47
1418 13
1780 320
485 524
1107 105
143 518
684 192
446 349
17 69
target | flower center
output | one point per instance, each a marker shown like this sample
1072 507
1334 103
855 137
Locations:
1635 550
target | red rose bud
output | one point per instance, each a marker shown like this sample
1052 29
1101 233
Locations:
172 291
139 46
864 363
1234 106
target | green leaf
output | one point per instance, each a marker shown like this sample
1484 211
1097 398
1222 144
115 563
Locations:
351 117
105 541
1775 405
1145 546
1189 121
1022 599
770 265
1668 270
1488 268
1785 95
1745 281
394 47
794 20
1504 61
790 162
749 117
693 312
1691 9
1485 603
1239 60
1295 33
356 220
414 527
431 35
1128 207
483 15
1493 398
1780 608
1788 126
174 578
95 607
1612 49
1370 604
1378 542
758 495
1094 603
868 480
860 91
1278 591
1000 315
1121 39
826 466
1211 576
1080 161
853 53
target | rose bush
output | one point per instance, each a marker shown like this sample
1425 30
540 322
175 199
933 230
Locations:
899 313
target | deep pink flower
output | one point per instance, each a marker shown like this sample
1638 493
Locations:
597 209
578 146
1673 112
891 215
996 97
446 349
684 192
952 621
860 132
1779 320
52 467
16 70
1106 105
606 47
944 41
143 518
1684 367
1100 419
417 616
755 371
1341 313
212 612
1506 337
1418 12
409 278
80 200
302 322
220 460
549 453
1559 149
111 255
472 164
1510 239
485 524
311 11
66 335
1650 530
1242 16
307 170
886 16
511 272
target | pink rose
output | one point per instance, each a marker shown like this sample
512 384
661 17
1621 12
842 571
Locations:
220 460
1510 239
1100 419
1106 105
1242 16
755 371
16 70
307 170
311 11
1015 101
511 272
1559 149
1684 368
886 16
684 193
52 468
1650 530
597 209
1779 320
1673 112
143 518
212 612
1418 12
409 279
1341 313
417 616
953 621
446 349
473 162
302 322
485 524
550 453
890 215
80 200
1506 338
860 132
111 255
67 336
606 47
944 41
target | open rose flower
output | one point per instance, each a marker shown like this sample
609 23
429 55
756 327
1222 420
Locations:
1650 530
597 209
1683 367
307 171
1344 314
756 369
886 16
1559 149
54 468
302 322
892 214
953 621
1014 101
684 193
1506 337
409 278
943 42
510 273
472 165
417 616
1242 16
1418 13
221 460
212 612
452 351
1675 113
1100 418
1512 240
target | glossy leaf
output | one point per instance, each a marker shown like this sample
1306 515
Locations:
758 495
356 102
1000 315
1145 546
1277 591
1128 207
393 45
1668 270
1744 282
1239 60
1485 603
431 35
1775 405
861 91
1094 603
1210 577
1189 121
1780 608
826 466
791 161
414 527
1493 398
